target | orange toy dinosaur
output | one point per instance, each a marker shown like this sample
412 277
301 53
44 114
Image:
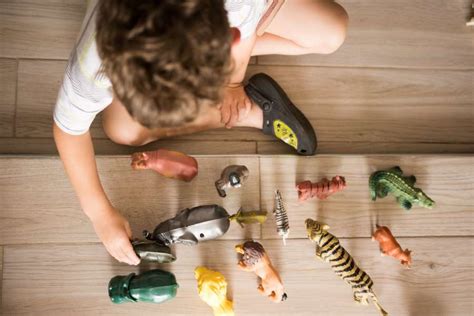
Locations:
321 189
255 259
171 164
390 247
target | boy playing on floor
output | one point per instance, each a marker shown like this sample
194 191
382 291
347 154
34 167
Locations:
173 67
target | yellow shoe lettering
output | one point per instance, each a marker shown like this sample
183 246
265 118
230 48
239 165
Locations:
285 133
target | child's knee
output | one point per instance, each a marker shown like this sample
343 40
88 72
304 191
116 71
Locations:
126 136
334 33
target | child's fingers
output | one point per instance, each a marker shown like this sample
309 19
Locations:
225 114
128 229
234 116
122 256
242 110
117 254
130 254
248 106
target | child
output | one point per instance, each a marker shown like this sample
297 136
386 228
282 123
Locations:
171 67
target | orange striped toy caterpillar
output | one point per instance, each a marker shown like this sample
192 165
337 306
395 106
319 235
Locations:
321 189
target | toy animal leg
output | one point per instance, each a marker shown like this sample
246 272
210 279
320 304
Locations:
411 180
397 170
405 204
318 253
275 297
244 267
260 289
360 299
382 190
220 185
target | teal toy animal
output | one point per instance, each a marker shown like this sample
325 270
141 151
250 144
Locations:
403 188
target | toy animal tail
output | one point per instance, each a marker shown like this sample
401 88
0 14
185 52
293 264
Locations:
224 309
377 304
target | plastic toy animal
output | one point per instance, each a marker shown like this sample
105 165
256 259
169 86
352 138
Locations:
329 249
154 286
321 189
249 217
171 164
390 247
192 225
255 259
212 289
153 252
403 188
232 177
281 217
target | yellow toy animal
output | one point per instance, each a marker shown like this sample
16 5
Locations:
212 289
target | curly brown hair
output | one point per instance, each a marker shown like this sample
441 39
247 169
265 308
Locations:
165 58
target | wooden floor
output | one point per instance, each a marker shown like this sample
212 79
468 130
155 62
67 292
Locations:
398 92
54 264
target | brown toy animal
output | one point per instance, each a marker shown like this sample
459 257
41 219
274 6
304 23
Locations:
255 259
171 164
321 189
390 247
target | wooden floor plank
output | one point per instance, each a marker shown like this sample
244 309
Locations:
406 34
46 146
45 29
39 205
344 148
446 179
360 105
8 70
72 280
38 85
381 105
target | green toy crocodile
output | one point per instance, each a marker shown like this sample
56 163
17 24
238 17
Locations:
403 188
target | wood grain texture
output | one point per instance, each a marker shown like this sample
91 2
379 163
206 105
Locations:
46 146
8 70
39 205
45 29
1 277
344 148
406 33
38 86
381 105
363 105
72 280
351 213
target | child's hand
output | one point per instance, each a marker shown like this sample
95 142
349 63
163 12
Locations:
115 233
235 106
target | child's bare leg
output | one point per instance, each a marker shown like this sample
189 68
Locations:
121 128
304 27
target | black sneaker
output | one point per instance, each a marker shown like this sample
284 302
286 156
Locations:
281 118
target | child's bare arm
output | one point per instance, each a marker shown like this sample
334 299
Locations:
77 154
236 105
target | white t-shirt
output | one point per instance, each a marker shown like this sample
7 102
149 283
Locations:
85 91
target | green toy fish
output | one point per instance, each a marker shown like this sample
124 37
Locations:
403 188
249 217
